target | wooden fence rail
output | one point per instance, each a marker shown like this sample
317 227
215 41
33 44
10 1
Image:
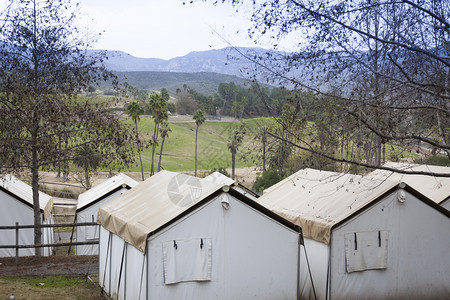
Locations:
17 227
49 245
49 225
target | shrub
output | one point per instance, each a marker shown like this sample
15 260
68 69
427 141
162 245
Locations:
267 179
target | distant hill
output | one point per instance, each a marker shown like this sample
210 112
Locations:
203 82
205 70
224 61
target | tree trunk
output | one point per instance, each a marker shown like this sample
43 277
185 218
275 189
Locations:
160 154
36 207
155 137
139 151
86 179
264 154
58 175
233 159
196 134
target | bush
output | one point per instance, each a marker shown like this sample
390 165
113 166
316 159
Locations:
268 178
436 160
185 104
221 170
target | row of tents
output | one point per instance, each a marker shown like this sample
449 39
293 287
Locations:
314 235
16 201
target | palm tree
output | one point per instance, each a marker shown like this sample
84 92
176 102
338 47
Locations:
234 142
88 160
199 117
164 132
134 111
160 114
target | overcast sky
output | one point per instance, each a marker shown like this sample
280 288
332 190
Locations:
165 28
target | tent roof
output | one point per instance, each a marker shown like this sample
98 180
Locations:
317 200
22 191
435 188
152 204
220 178
101 190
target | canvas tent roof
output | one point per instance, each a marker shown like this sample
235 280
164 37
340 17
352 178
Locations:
102 189
435 188
220 178
25 193
152 204
317 200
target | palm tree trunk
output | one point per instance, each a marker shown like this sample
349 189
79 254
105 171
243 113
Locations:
155 137
139 150
196 134
160 153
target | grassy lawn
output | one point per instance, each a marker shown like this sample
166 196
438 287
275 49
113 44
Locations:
50 287
213 153
179 148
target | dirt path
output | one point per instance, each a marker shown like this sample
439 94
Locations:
49 266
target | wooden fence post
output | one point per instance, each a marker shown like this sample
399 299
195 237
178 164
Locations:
17 243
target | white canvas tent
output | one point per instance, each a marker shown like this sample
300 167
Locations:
16 201
88 205
176 236
435 188
366 238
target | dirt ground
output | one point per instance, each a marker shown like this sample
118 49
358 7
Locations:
49 266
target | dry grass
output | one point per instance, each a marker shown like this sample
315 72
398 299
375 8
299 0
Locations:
51 287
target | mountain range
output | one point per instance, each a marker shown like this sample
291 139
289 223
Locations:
224 61
201 70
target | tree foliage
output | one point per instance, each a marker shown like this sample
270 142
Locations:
44 67
382 67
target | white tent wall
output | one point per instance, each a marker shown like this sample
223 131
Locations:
318 259
131 271
47 236
446 204
110 259
135 277
91 233
24 215
417 247
253 257
103 258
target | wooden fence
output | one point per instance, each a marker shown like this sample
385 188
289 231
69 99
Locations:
17 227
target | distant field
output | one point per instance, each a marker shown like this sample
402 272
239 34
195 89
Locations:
179 148
213 153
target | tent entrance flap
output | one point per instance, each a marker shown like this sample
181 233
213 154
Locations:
366 250
187 260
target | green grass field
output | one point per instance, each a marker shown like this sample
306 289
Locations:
213 153
179 148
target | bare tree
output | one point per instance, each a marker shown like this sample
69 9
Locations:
44 66
384 64
234 142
